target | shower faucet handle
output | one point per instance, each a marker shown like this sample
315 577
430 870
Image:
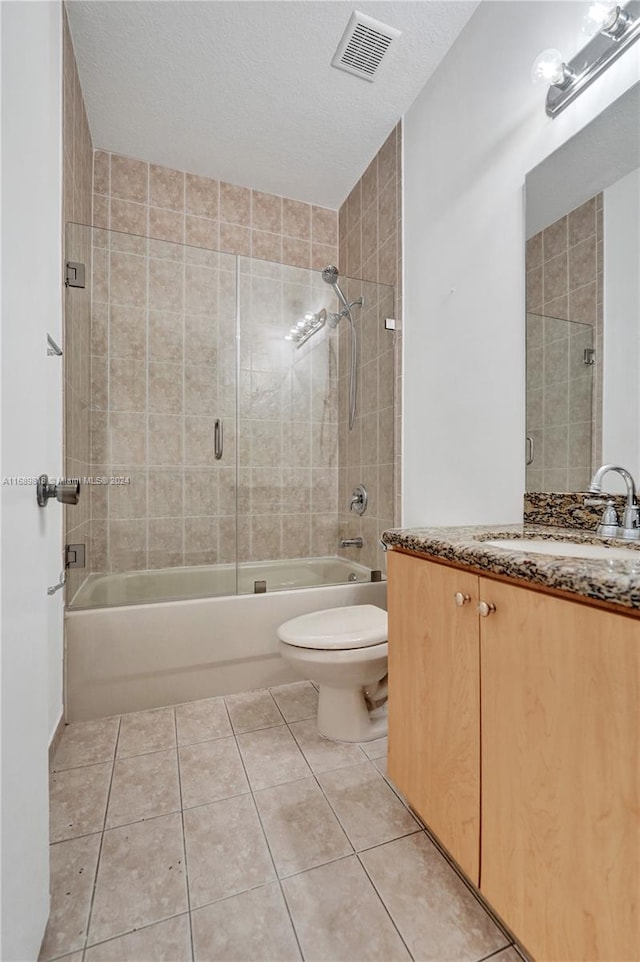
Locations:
359 500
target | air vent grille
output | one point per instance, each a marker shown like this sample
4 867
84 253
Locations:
363 46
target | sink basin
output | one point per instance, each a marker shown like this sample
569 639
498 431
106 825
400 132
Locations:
566 549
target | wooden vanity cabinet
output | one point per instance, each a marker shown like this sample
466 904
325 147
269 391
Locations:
543 698
561 774
434 700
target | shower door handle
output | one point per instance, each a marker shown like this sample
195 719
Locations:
218 439
530 450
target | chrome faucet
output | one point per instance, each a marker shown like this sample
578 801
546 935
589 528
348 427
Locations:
351 543
630 528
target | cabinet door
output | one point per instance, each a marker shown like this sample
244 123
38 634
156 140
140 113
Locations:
561 774
434 710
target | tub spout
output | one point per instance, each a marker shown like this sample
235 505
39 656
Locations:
351 542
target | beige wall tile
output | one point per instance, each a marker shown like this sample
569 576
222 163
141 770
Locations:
582 222
266 212
388 165
265 245
166 286
165 542
201 491
128 279
201 232
166 187
199 440
127 545
101 211
127 435
128 217
165 439
165 388
166 332
127 385
296 252
102 172
129 179
323 255
166 225
555 239
324 226
127 332
296 219
235 205
201 196
235 239
582 263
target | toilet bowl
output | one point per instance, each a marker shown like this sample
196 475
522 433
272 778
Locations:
344 650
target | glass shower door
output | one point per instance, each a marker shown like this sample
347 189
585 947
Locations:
150 399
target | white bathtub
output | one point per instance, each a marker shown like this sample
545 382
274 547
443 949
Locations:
214 581
129 657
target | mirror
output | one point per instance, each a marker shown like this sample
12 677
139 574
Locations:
583 304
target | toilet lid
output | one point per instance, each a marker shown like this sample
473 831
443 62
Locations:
354 626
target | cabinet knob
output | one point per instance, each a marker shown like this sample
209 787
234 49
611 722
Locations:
461 599
485 608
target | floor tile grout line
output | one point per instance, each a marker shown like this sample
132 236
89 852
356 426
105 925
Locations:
184 836
328 800
266 840
385 906
418 830
365 757
138 928
468 885
104 822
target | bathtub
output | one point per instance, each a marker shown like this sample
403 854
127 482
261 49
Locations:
124 653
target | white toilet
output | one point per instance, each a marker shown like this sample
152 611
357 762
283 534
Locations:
345 651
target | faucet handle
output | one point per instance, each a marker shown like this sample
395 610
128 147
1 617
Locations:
609 524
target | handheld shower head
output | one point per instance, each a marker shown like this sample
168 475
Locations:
330 276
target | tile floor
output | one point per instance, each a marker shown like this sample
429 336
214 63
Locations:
229 830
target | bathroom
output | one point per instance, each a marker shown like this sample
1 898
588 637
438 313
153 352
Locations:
419 204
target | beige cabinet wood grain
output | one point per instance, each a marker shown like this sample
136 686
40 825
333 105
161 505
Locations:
434 708
561 774
516 738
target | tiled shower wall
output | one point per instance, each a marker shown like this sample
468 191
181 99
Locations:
76 190
163 368
564 283
370 247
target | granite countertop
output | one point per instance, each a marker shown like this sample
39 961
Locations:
612 581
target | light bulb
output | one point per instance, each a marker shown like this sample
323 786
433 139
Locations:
548 67
309 317
288 337
600 16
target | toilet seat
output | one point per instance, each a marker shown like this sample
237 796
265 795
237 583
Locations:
353 626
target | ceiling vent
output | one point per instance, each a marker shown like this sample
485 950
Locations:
363 46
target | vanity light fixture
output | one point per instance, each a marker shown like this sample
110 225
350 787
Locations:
613 28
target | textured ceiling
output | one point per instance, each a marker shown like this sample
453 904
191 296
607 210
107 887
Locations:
243 91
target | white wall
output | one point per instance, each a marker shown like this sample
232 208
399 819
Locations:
621 407
31 433
469 139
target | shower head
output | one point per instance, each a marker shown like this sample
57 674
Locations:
330 276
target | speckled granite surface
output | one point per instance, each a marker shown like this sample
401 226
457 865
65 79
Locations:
616 582
568 509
